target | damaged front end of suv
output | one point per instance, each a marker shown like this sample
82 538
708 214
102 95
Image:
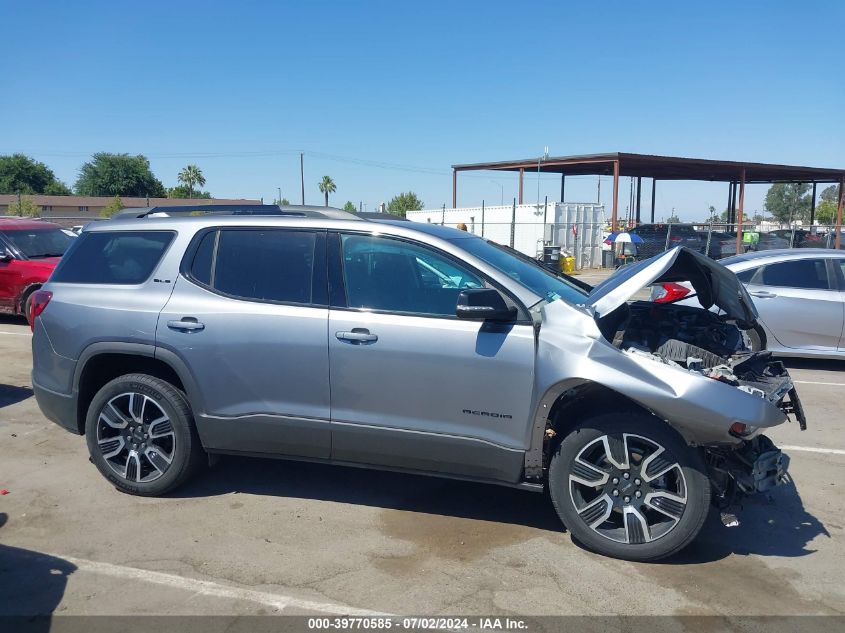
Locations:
689 367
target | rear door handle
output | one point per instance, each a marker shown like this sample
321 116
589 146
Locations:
762 294
187 324
357 336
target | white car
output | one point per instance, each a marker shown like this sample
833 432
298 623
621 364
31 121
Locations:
799 295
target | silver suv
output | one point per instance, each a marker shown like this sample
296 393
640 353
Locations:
410 347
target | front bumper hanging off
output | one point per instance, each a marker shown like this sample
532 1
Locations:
757 466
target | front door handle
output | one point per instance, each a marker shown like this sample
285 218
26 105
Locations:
187 324
762 294
357 336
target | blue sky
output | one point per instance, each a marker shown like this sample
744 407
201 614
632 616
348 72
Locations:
385 96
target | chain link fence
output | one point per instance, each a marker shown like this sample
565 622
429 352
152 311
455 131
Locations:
587 242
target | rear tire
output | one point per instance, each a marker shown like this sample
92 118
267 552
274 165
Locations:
627 486
141 435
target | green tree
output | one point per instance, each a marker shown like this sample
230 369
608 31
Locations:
828 205
826 212
189 176
22 174
282 203
112 207
673 219
404 202
350 206
327 186
788 201
830 194
24 207
118 175
181 191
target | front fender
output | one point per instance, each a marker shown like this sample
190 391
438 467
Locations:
571 351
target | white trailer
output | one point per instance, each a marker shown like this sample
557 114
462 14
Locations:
575 227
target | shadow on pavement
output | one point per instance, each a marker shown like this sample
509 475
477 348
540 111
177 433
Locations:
9 394
31 587
774 525
814 363
398 491
12 319
777 525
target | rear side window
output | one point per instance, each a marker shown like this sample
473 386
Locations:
113 257
201 266
746 275
801 273
263 265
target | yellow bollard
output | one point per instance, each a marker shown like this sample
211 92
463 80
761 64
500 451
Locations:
567 264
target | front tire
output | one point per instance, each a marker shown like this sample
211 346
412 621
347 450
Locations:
141 435
627 486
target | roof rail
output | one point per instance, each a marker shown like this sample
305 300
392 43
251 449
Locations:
296 211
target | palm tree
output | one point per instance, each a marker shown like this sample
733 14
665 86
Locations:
327 186
190 176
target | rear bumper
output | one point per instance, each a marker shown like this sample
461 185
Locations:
57 407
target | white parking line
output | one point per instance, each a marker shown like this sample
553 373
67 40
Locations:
207 588
16 333
813 449
814 382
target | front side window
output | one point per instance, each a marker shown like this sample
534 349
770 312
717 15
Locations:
112 257
38 243
395 276
259 264
802 273
525 271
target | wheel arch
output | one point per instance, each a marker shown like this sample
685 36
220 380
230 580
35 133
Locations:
560 410
102 362
27 290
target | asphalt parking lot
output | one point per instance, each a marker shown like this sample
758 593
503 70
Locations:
265 536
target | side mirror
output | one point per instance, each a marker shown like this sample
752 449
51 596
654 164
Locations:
5 256
484 304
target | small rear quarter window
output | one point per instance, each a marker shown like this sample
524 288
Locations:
113 257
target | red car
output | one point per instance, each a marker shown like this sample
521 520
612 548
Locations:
29 251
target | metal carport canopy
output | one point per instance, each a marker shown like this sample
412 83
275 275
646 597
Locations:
620 164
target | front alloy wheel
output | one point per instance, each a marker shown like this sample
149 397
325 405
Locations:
630 489
635 497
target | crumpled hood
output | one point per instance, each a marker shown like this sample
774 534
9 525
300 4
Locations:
713 283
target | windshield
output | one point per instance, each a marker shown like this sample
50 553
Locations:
35 243
526 271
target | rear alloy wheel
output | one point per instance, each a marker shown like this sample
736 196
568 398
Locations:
141 435
755 340
629 489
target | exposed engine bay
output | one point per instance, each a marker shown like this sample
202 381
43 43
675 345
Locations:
701 341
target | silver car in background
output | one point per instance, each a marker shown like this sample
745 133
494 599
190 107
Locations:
799 295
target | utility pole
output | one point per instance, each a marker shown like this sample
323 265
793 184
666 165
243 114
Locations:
302 175
598 194
280 195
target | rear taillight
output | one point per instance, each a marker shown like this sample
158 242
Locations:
675 238
40 299
668 292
